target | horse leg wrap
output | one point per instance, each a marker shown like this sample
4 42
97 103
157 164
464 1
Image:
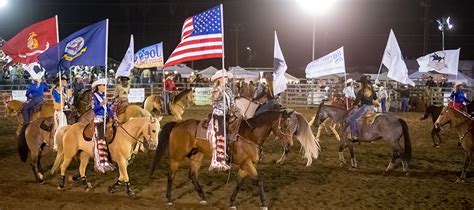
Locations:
61 182
130 191
87 185
115 186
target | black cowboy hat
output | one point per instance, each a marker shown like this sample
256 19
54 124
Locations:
123 78
364 79
63 77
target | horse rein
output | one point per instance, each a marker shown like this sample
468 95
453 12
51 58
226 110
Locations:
136 139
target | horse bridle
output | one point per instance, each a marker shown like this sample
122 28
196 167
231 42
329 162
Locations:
146 142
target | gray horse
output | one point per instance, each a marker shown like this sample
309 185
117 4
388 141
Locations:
388 127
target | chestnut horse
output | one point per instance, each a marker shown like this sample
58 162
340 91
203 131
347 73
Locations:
180 139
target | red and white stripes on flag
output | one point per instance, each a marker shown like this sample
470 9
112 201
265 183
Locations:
201 38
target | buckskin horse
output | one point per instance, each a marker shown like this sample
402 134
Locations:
73 141
39 134
180 138
176 107
384 126
463 125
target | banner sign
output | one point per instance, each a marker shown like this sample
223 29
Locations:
136 95
19 95
149 57
203 95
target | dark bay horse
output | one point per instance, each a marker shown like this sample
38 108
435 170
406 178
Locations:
388 127
183 144
434 112
464 127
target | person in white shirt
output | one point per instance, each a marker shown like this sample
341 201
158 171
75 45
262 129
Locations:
349 92
382 94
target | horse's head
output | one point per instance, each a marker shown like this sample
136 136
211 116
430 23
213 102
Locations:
444 117
191 97
321 115
72 115
150 133
286 126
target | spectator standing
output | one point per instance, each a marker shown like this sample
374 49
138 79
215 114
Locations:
405 95
382 94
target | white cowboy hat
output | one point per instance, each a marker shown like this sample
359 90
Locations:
99 82
78 76
220 74
459 83
349 80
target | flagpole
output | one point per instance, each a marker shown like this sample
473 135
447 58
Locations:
380 68
224 75
105 65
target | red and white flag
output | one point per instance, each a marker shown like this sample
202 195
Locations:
201 38
26 46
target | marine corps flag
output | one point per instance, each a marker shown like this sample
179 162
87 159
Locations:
87 46
26 46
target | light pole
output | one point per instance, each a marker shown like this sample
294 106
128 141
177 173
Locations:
444 24
315 7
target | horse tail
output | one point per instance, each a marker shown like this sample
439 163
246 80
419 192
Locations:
406 137
23 149
60 153
306 138
164 137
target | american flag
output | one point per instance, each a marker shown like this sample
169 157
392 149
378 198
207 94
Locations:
201 38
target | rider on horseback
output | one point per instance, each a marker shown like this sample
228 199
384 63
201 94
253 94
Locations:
219 136
169 88
367 97
122 89
59 97
101 157
34 94
458 97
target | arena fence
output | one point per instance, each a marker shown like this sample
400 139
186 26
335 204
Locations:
296 95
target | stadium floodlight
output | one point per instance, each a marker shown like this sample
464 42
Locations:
3 3
317 7
444 24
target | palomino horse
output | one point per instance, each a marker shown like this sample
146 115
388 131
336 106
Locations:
15 106
152 104
244 150
127 135
36 136
388 127
463 125
180 103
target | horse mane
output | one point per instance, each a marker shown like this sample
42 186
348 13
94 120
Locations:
182 94
465 115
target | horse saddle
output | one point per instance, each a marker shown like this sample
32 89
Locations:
120 105
110 131
232 128
368 118
36 108
47 124
201 131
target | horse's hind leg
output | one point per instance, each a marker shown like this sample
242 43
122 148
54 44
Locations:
467 162
195 165
64 165
396 153
341 152
82 171
174 165
353 158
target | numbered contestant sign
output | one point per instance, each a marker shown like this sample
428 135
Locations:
137 95
19 95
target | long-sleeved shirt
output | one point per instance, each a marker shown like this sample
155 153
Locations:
349 92
99 109
458 96
365 96
77 86
169 85
218 100
36 89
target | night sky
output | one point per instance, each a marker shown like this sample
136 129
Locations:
361 26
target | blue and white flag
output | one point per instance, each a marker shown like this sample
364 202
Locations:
445 62
87 46
279 69
151 56
127 63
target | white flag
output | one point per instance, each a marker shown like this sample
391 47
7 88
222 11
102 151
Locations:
127 63
279 69
393 60
445 62
332 63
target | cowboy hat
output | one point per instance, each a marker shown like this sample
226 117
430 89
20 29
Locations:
123 78
78 76
458 84
220 74
349 80
63 77
99 82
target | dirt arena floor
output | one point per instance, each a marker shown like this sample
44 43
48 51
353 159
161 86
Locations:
324 185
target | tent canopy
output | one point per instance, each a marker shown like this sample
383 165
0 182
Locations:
182 69
241 73
208 72
291 78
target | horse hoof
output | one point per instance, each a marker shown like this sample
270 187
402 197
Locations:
437 146
110 189
264 208
232 207
407 173
88 187
42 182
352 168
132 194
459 180
203 202
60 188
169 203
385 173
